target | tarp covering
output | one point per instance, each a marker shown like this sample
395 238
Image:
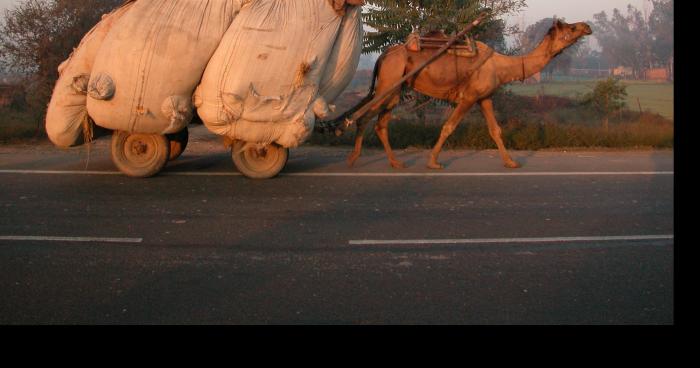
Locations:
67 111
266 69
345 58
262 84
151 62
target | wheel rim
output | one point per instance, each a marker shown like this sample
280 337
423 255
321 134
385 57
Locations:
141 150
263 159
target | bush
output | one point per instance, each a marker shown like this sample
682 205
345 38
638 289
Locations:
607 97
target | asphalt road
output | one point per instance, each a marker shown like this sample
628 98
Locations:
571 238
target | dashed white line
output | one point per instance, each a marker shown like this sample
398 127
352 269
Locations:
71 239
360 174
512 240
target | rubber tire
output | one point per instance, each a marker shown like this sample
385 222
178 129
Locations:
258 168
178 143
149 163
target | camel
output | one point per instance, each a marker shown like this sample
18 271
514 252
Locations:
453 78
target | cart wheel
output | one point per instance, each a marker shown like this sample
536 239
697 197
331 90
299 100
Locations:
178 143
140 155
259 163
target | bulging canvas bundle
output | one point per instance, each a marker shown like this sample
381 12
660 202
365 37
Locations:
262 84
151 62
345 57
67 114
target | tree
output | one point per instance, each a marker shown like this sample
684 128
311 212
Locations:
633 41
607 97
37 35
661 27
393 20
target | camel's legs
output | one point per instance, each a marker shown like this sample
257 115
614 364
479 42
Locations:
359 137
382 109
496 132
360 133
447 130
382 130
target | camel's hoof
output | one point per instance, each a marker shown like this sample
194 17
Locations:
512 165
435 166
351 161
398 165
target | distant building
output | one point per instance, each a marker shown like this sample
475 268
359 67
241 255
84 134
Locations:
6 94
590 73
623 72
10 90
656 74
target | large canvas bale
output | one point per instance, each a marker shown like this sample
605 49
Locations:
67 116
262 84
345 57
151 62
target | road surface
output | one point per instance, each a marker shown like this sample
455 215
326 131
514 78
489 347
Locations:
584 237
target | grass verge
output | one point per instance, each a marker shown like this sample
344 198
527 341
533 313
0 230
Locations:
528 123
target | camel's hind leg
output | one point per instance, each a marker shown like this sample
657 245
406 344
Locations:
359 137
496 133
382 130
390 70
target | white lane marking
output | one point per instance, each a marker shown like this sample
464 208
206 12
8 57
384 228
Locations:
512 240
359 174
611 173
57 172
71 239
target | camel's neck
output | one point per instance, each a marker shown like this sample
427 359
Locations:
522 67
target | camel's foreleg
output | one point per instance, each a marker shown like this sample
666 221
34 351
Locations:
496 132
447 130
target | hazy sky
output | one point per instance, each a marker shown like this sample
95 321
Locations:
572 10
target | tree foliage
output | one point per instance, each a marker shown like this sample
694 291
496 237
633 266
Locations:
607 97
634 41
393 20
37 35
661 27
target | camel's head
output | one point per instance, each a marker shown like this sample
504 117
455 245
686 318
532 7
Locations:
564 35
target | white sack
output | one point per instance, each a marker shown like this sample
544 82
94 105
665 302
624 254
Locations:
151 62
262 83
345 58
67 111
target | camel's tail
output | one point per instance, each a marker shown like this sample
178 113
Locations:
330 126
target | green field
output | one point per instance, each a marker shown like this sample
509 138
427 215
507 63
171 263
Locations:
655 97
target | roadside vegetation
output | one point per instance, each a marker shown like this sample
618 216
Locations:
656 97
20 125
529 123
